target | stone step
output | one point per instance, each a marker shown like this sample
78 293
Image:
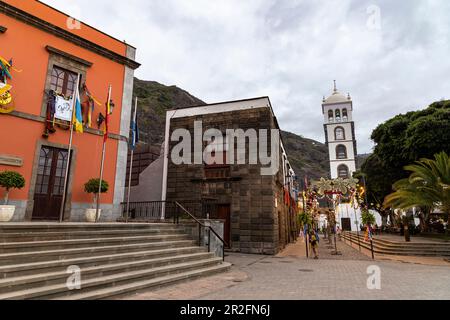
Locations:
61 290
80 243
55 235
405 250
34 256
12 227
407 245
412 244
24 269
136 286
57 277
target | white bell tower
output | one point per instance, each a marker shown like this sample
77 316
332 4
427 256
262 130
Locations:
340 134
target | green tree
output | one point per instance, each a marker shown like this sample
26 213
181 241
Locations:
304 219
378 184
427 187
93 185
400 141
367 218
11 180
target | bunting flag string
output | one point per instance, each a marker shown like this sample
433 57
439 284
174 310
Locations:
6 98
91 102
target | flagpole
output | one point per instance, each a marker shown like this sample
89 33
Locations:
102 164
131 159
61 211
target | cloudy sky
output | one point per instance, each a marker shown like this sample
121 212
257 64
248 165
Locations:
392 56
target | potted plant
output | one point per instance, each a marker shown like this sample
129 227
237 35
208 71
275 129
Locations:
92 186
9 180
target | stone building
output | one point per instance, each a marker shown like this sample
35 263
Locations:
259 211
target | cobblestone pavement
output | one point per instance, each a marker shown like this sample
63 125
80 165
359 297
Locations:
292 276
327 250
298 278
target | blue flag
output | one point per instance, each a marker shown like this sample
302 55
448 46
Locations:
134 134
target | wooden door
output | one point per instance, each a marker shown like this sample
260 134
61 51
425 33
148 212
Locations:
49 187
224 213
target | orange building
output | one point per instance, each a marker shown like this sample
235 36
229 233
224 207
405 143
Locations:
49 50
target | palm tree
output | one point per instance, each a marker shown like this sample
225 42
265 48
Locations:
427 187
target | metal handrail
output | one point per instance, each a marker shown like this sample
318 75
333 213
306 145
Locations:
205 226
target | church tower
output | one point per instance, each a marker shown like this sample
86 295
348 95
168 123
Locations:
340 134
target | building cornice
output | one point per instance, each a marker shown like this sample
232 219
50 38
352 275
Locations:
69 56
340 141
34 21
338 123
337 104
343 160
33 117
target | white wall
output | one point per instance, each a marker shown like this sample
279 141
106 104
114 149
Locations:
346 211
150 183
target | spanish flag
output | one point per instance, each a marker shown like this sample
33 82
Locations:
77 115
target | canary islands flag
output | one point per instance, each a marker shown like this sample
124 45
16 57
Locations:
78 116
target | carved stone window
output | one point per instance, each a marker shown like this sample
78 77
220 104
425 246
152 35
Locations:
339 133
341 152
62 71
338 115
344 115
343 171
330 116
63 81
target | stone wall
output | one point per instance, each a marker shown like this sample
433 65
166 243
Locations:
255 222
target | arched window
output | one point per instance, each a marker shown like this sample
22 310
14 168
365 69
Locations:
338 115
343 171
339 133
341 152
330 116
344 115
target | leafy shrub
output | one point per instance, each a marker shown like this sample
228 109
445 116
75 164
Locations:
11 180
92 186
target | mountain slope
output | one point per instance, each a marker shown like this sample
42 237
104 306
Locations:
154 99
307 157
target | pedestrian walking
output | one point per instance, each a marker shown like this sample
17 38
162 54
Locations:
314 244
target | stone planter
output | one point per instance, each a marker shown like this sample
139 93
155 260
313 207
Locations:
90 214
6 213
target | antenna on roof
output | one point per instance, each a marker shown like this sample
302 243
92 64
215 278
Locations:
335 87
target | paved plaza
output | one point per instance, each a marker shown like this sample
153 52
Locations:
292 276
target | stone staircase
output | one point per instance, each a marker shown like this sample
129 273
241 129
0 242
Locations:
383 246
36 259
